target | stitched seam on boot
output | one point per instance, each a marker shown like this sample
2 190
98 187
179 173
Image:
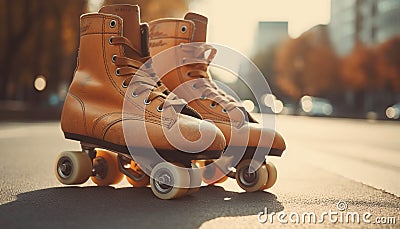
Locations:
198 20
153 118
83 109
97 121
171 37
98 33
105 130
135 117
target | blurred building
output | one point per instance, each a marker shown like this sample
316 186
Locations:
388 19
368 21
342 27
270 33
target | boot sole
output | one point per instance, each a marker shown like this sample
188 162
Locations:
167 154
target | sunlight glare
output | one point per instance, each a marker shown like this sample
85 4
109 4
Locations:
235 24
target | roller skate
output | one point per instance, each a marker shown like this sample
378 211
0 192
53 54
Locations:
248 142
113 46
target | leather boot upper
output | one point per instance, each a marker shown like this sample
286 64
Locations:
113 46
190 81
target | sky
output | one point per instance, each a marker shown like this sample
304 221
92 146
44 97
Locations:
234 22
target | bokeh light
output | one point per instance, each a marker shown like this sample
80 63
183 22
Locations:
269 100
248 104
306 103
40 83
278 106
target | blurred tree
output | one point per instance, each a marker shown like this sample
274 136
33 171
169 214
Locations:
265 61
358 69
39 37
388 56
155 9
307 65
359 76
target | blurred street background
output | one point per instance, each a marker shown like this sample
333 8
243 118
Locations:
334 70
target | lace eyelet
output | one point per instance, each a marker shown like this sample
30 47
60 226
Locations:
134 94
183 29
113 23
146 102
194 86
110 40
124 85
213 105
224 110
113 58
187 74
202 97
117 71
159 109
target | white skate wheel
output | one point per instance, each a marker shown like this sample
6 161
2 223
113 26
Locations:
251 182
168 181
73 167
272 175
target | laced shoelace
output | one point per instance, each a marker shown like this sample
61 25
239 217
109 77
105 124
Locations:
143 76
199 66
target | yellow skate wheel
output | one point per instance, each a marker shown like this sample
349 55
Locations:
142 181
105 165
73 167
195 179
211 174
168 181
251 182
272 176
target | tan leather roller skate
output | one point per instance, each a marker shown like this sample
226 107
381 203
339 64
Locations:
193 83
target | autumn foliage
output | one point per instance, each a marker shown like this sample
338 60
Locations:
38 37
358 70
306 65
388 64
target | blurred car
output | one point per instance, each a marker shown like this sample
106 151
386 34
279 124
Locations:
393 112
315 106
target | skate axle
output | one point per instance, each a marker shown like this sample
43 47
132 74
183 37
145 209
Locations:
129 172
89 149
100 167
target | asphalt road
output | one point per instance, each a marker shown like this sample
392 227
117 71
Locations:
327 161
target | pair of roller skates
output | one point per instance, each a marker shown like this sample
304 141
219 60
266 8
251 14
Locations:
130 124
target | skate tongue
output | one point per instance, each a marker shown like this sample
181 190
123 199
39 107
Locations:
131 20
200 21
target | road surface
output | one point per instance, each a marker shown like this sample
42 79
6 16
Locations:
354 162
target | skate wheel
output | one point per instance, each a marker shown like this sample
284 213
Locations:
168 181
141 181
195 179
105 165
272 176
251 182
73 167
211 174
